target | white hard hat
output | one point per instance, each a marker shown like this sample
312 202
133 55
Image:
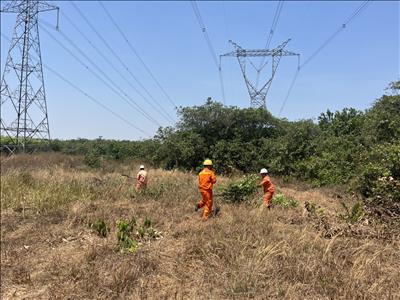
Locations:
264 171
141 167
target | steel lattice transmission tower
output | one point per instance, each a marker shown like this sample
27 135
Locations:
258 95
23 100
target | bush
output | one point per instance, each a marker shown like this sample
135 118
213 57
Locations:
100 227
283 201
353 215
92 159
124 231
241 190
379 179
130 234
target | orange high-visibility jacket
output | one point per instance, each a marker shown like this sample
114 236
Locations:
207 179
267 184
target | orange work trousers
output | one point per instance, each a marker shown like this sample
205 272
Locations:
206 202
267 197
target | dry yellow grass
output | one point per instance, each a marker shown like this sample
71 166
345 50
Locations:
49 251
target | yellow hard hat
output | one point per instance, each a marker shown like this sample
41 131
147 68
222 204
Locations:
207 162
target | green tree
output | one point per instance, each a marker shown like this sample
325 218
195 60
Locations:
383 120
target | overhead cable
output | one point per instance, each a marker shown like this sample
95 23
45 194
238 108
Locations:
88 96
108 82
132 48
112 50
210 46
162 112
324 44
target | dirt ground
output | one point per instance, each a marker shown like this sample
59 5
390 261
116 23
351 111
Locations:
49 251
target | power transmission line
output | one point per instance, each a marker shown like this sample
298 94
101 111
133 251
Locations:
227 32
87 95
324 44
221 82
114 87
163 113
210 46
204 30
96 101
340 29
111 86
289 90
274 22
228 35
137 54
277 14
112 51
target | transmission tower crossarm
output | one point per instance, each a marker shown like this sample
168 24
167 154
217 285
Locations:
258 95
10 7
15 6
260 53
44 6
239 51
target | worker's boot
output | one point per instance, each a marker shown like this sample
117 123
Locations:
196 208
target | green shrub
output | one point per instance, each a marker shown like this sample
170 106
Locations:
241 190
146 231
283 201
100 227
379 179
353 215
141 232
124 231
310 207
129 234
92 159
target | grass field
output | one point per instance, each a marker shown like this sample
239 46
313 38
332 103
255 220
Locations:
50 250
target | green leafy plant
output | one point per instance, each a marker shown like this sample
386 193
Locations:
130 244
147 222
354 215
130 234
141 232
124 231
310 207
100 227
241 190
146 231
283 201
379 180
92 159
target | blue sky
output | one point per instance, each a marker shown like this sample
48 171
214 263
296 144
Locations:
352 71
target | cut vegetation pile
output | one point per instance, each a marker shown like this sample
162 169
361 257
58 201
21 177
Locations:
69 231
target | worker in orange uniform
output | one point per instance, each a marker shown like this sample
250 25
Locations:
269 188
141 179
206 181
